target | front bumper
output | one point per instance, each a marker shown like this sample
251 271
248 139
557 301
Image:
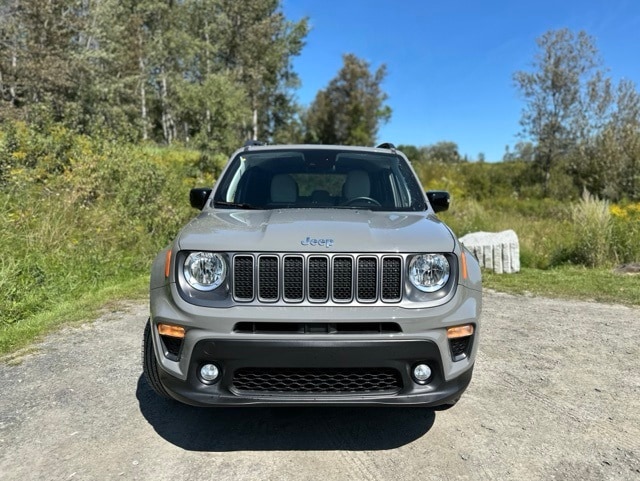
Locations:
397 354
211 336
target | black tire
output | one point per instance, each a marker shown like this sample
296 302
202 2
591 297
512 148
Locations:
150 364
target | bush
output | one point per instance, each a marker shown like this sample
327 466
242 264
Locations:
592 229
79 213
625 232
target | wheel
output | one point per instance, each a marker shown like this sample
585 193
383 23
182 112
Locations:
150 364
368 200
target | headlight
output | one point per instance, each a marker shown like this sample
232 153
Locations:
429 272
205 271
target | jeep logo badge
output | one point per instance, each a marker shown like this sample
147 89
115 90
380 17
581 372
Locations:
312 241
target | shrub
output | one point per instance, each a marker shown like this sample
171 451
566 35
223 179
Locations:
79 213
625 232
592 227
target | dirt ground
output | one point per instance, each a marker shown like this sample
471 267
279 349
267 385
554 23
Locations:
555 395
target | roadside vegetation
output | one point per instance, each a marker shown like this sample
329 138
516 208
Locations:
79 215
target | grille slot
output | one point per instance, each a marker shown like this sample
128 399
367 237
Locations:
293 278
268 278
367 278
342 279
318 278
315 278
460 347
243 277
317 380
391 278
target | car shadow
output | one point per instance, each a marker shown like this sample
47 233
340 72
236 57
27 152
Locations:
282 428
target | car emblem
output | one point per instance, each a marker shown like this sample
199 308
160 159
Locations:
312 241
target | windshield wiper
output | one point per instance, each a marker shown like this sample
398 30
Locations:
234 205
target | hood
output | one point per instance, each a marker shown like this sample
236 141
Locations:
315 230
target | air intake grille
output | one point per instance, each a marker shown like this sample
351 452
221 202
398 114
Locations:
367 278
317 381
317 278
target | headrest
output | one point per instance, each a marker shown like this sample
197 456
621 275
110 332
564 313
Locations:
284 189
357 184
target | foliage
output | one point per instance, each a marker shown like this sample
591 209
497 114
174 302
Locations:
351 108
591 221
208 71
78 214
625 232
585 132
560 93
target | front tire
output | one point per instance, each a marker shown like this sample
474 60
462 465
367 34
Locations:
150 364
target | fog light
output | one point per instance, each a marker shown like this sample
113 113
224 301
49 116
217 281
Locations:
421 373
209 372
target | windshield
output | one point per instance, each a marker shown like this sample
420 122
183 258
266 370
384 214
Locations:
319 178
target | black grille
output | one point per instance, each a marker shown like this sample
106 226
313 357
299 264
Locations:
317 328
172 345
391 278
317 380
243 277
318 277
460 347
367 278
293 278
342 278
268 278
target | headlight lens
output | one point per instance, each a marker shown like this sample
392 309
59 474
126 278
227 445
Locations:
205 271
429 272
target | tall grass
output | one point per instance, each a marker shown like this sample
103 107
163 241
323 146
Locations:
592 227
79 214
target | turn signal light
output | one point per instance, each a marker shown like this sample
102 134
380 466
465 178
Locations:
460 331
463 264
167 263
171 331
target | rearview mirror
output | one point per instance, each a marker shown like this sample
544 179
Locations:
198 197
439 200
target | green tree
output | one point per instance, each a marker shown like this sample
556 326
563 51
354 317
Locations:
445 152
38 65
257 44
566 96
352 107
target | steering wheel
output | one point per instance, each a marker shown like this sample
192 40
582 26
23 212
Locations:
368 200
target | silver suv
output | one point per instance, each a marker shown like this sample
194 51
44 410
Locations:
314 275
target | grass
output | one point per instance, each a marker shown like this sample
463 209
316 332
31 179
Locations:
569 282
21 334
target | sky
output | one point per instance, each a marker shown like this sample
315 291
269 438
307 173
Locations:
450 63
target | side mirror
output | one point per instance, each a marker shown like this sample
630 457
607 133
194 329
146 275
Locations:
439 200
198 197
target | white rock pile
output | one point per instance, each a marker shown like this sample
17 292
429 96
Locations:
498 251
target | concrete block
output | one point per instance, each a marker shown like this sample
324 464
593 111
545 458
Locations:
498 251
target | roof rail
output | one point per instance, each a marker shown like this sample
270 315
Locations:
386 145
252 143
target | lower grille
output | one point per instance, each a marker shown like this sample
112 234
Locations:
460 347
317 380
172 345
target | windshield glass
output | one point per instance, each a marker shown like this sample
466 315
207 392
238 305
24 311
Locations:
319 178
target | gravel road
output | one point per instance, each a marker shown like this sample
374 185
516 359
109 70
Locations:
555 395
